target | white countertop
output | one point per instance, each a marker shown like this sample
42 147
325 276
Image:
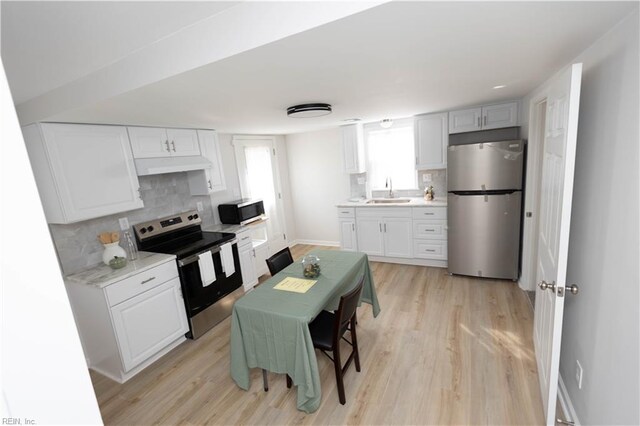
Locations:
415 202
103 275
233 228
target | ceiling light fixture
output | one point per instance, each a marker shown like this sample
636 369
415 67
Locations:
500 86
309 110
386 123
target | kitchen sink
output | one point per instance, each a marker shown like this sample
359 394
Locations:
388 201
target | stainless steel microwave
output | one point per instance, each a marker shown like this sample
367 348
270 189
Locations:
241 212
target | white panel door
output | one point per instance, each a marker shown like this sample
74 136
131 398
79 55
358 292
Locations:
248 267
183 142
149 142
370 237
558 165
93 168
465 120
348 235
498 116
147 323
431 141
398 237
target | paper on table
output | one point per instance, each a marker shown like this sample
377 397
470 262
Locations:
297 285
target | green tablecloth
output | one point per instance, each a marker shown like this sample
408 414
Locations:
269 328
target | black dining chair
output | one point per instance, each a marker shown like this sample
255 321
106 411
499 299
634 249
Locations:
279 261
329 328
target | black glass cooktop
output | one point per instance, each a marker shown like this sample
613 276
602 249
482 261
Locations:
190 244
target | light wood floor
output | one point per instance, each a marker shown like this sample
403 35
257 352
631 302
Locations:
444 350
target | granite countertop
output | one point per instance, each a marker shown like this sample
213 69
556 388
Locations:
415 202
103 275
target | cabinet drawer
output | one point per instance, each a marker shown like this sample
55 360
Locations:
430 229
346 212
139 283
244 238
427 249
429 213
383 212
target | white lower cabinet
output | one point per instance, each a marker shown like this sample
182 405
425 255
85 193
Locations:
148 322
348 239
126 324
413 235
247 260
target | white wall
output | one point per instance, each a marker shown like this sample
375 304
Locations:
318 183
602 323
43 374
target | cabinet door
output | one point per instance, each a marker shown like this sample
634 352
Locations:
348 235
369 233
431 141
352 148
261 253
93 170
210 148
398 238
183 142
465 120
147 323
248 267
497 116
149 142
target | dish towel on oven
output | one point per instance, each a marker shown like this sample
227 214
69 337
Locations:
207 271
226 253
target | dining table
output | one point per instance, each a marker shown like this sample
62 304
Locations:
270 327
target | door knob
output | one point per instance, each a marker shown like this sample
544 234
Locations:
545 285
573 289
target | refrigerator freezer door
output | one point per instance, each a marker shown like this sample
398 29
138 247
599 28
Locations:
484 235
485 166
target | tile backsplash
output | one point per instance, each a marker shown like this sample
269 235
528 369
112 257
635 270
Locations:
438 180
163 195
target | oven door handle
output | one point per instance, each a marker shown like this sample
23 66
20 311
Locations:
189 260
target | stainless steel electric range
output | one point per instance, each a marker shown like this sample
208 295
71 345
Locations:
182 236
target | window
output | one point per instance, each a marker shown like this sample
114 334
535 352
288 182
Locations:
391 154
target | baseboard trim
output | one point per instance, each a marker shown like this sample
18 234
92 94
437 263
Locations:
316 243
566 404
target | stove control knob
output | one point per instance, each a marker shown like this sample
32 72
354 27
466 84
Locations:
143 230
190 217
195 216
149 228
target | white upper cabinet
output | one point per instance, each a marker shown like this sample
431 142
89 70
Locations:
431 139
484 118
82 171
353 148
208 181
154 142
498 116
465 120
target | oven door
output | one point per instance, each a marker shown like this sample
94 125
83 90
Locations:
197 297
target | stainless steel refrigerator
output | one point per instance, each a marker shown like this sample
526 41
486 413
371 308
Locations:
484 183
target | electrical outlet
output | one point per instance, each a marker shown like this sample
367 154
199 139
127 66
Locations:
199 206
579 374
124 223
426 177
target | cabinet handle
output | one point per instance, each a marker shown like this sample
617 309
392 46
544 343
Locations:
416 161
380 226
167 143
139 193
479 124
430 250
428 214
254 253
344 212
147 280
429 230
485 120
353 226
244 238
173 144
385 227
210 186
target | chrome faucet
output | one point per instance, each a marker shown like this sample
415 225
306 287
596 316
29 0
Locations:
389 184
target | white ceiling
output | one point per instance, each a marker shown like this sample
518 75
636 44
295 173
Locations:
394 60
46 44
